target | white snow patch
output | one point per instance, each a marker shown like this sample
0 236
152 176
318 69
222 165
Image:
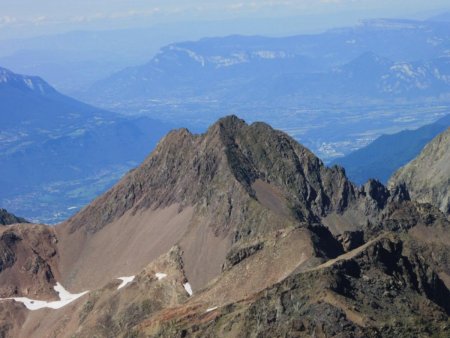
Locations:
125 281
29 83
160 275
211 309
188 288
65 297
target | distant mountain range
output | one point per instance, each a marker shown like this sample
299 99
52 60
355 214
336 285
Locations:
443 17
379 59
57 153
74 60
384 156
335 92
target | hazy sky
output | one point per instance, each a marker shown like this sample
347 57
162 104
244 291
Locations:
34 16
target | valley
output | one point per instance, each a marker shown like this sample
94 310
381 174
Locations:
331 131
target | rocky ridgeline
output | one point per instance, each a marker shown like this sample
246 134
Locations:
297 249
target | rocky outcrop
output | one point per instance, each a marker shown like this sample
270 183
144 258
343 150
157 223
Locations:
28 261
237 255
427 177
385 288
7 218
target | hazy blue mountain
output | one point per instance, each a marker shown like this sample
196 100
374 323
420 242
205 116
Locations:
334 92
75 60
57 153
304 65
383 157
30 101
443 17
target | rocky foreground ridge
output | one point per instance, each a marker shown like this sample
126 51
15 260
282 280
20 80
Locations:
238 232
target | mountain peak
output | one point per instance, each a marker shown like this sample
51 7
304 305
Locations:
188 169
228 125
231 121
25 82
233 184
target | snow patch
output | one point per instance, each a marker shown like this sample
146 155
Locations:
211 309
125 281
29 83
65 298
160 275
188 288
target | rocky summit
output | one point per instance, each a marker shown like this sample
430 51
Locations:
237 232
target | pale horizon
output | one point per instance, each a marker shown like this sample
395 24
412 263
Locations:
26 18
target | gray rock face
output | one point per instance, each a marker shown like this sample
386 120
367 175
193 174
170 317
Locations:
231 156
427 177
7 218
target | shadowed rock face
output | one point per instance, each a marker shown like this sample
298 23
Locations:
184 168
242 182
272 242
7 218
427 177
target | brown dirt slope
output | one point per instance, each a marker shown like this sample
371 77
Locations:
391 286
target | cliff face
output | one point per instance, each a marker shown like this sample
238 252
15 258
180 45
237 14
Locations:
428 176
